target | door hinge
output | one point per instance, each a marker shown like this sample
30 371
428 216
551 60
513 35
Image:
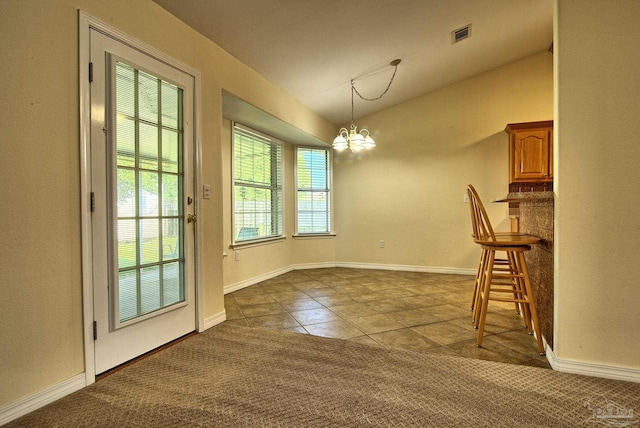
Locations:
93 202
90 72
95 330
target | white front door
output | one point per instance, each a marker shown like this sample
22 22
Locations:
142 145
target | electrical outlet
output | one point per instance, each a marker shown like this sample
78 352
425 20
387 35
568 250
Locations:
237 255
465 199
206 191
382 243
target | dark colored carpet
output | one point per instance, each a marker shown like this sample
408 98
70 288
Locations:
246 377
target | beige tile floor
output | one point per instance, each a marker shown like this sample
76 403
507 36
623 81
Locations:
423 312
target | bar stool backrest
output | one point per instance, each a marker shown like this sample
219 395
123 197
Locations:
482 231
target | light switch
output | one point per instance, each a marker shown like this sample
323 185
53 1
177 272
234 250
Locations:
206 191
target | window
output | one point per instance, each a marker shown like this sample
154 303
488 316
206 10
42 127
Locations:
149 174
313 176
257 186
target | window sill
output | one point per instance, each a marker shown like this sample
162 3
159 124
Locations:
314 236
256 243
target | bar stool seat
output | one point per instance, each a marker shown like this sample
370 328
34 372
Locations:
505 280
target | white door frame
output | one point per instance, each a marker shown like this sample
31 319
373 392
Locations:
86 24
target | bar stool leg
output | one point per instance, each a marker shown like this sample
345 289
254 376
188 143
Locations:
477 282
478 288
516 284
484 294
528 289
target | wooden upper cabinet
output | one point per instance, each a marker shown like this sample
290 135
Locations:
530 152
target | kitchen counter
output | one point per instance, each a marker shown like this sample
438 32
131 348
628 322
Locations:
525 196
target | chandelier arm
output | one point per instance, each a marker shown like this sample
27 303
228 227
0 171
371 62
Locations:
353 88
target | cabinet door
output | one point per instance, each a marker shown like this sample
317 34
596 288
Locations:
531 150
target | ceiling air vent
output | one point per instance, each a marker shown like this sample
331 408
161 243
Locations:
461 34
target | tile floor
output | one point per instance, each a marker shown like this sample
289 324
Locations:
419 311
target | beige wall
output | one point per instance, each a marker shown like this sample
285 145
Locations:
409 190
40 243
597 147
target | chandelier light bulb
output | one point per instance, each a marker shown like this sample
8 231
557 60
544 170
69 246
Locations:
340 142
368 141
356 140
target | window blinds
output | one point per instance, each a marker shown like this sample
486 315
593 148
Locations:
313 194
257 193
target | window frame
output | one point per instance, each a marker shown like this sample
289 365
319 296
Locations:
329 191
279 218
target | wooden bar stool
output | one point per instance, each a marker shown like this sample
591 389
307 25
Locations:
506 281
500 265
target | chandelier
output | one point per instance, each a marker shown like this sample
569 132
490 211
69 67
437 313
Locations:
352 138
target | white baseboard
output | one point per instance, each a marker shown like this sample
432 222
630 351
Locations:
42 398
322 265
408 268
213 320
354 265
256 279
592 369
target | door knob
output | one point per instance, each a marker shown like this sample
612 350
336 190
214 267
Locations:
191 218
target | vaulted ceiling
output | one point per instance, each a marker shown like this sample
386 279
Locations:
313 48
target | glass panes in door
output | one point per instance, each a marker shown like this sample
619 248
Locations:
148 190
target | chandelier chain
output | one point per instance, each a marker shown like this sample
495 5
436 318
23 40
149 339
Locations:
353 88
